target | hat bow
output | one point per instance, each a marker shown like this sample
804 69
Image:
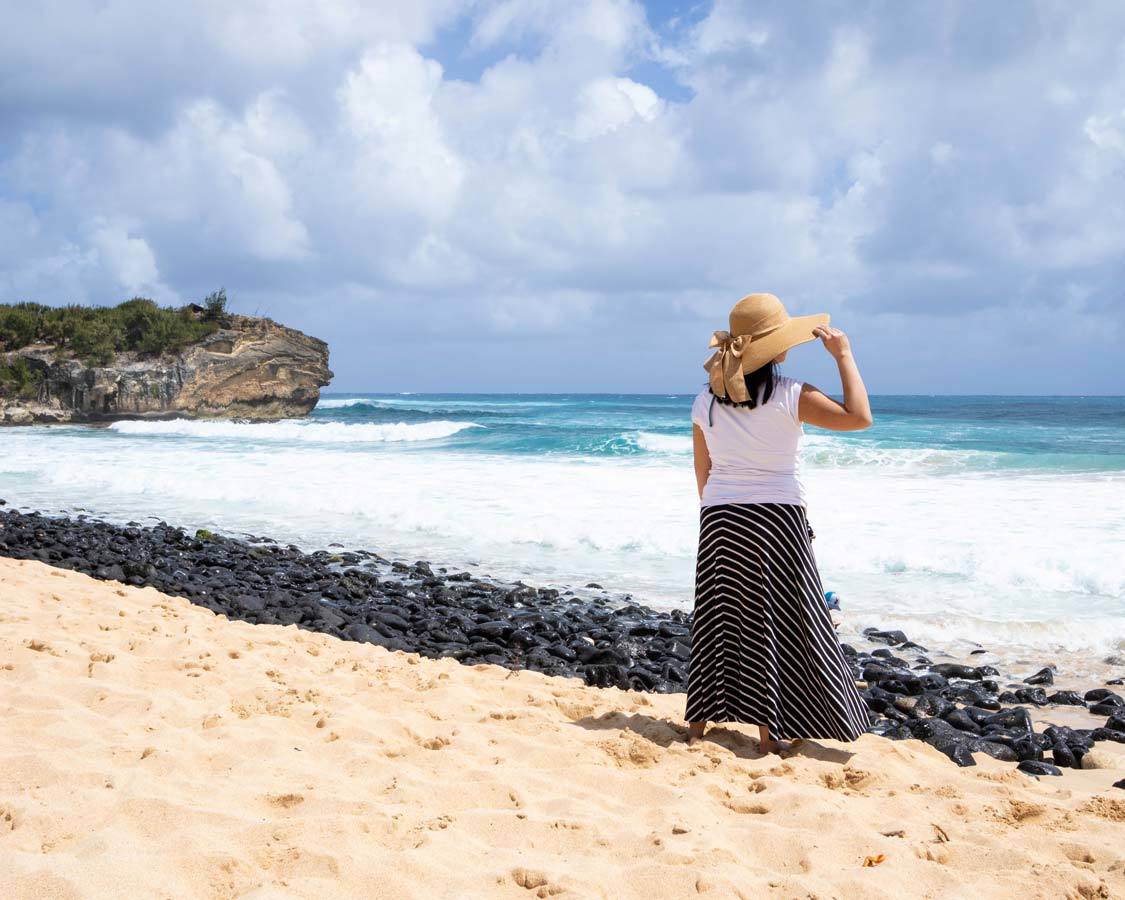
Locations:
725 365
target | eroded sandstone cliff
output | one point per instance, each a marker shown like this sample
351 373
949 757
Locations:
251 368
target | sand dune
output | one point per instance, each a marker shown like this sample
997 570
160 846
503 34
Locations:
152 749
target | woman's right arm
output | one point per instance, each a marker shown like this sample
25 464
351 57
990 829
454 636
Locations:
854 414
702 458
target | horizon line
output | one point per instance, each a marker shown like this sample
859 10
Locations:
679 394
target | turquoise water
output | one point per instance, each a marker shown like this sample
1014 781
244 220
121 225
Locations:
1064 434
998 520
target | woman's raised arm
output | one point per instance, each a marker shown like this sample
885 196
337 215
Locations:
854 414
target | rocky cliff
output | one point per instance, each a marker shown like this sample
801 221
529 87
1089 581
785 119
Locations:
250 368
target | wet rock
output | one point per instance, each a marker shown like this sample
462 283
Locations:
357 631
1103 695
1106 707
1068 698
961 720
1035 696
1017 719
1038 767
885 637
1063 756
955 670
1043 676
995 750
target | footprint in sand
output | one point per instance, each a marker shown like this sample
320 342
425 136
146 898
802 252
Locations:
744 807
98 658
630 752
285 801
533 880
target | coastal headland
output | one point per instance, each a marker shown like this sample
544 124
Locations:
141 361
154 748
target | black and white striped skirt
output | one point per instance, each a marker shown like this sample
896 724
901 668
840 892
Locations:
763 650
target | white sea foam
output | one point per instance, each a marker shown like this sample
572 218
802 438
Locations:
827 451
295 430
661 443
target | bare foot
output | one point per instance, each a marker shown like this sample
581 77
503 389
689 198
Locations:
695 732
769 745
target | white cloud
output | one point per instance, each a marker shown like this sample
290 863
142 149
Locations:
402 159
130 259
1107 132
608 103
726 28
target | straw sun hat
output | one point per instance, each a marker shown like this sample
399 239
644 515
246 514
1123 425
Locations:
760 329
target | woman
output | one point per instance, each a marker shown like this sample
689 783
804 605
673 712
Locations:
763 647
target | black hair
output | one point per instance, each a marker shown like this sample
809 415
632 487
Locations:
759 385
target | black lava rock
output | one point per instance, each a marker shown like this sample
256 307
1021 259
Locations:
1043 676
885 637
1068 698
1038 767
1106 708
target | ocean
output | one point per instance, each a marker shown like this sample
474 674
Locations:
964 521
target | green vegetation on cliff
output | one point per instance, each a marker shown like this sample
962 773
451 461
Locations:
94 334
19 379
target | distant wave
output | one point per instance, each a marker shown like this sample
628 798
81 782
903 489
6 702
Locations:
823 451
661 443
435 405
348 402
832 453
292 430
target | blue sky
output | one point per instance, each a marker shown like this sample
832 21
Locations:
534 195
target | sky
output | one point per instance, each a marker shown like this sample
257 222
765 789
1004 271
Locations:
537 195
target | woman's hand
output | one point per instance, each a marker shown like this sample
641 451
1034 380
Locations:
824 412
835 341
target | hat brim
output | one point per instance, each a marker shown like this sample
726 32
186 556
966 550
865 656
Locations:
798 330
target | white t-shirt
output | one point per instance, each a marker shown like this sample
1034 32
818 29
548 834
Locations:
753 451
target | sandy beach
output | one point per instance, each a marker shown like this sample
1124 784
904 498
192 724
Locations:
151 748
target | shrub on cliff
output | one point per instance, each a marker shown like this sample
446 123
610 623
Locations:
95 334
19 379
215 305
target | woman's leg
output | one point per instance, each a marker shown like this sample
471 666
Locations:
767 744
695 731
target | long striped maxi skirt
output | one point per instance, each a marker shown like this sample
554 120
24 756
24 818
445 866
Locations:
763 650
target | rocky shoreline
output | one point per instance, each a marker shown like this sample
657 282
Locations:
360 596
